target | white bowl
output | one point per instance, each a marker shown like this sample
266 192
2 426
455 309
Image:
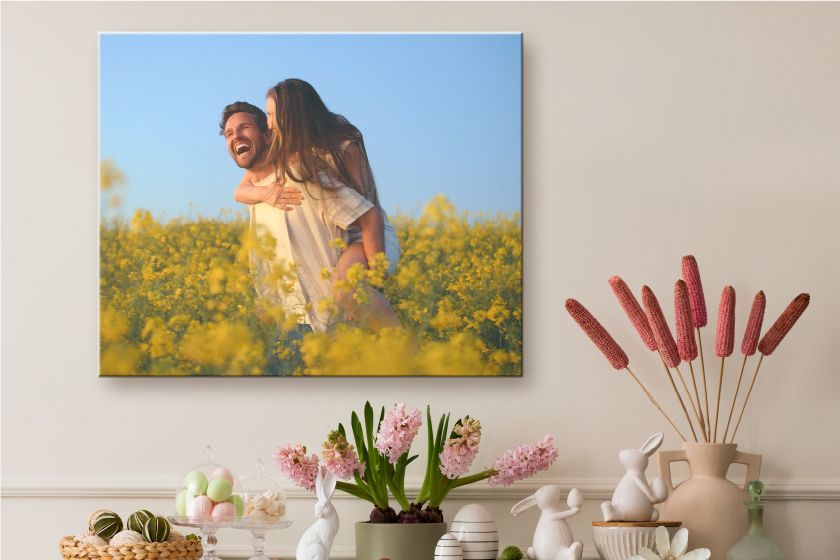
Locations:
623 539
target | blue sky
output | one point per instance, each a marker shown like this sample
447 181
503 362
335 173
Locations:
439 113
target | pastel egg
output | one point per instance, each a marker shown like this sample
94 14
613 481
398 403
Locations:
181 503
219 489
238 504
200 508
196 482
448 548
475 529
223 511
127 537
223 473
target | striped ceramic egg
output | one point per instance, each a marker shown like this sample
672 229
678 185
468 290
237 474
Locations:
475 529
448 548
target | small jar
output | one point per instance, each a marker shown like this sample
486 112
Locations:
208 493
755 545
264 500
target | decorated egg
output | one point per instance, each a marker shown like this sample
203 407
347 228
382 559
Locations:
84 534
196 482
223 511
475 529
219 489
181 503
199 508
222 472
127 537
107 524
448 548
137 520
157 529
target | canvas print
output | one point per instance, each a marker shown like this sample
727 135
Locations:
310 204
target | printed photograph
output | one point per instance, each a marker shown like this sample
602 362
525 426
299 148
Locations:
310 204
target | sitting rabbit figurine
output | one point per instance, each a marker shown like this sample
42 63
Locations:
634 498
316 542
553 538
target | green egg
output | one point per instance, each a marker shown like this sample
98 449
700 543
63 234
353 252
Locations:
180 504
196 483
219 489
238 504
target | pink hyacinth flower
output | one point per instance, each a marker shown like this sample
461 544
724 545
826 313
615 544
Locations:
691 275
397 431
458 453
598 334
340 457
523 461
783 324
659 326
633 310
297 466
686 345
725 341
750 342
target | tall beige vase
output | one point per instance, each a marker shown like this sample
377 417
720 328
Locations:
709 506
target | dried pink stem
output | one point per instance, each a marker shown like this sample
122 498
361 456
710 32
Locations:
598 334
783 324
633 310
753 330
664 339
686 345
691 275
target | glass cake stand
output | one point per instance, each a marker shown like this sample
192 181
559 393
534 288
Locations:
208 530
258 531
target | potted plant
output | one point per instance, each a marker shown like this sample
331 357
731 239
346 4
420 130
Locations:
374 470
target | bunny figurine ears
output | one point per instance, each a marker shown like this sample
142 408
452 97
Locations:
634 498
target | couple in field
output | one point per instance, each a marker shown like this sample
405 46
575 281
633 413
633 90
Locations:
308 182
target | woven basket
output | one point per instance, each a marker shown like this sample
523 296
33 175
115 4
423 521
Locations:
71 548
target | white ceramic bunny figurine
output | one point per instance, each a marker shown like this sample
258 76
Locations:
634 498
553 538
316 542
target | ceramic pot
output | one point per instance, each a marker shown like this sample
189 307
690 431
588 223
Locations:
621 540
397 541
707 504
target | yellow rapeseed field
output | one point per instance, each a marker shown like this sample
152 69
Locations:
177 298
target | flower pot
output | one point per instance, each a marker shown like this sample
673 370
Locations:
707 504
397 541
621 540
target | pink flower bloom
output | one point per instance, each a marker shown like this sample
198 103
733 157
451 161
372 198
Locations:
523 461
294 463
725 342
340 457
753 331
458 453
399 426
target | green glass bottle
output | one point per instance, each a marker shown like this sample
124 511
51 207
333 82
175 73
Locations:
755 545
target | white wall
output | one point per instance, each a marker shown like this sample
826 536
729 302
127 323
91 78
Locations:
650 130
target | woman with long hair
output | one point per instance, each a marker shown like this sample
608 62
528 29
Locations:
321 155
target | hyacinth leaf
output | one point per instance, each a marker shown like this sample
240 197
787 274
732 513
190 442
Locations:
358 437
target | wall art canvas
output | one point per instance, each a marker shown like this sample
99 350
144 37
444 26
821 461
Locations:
310 204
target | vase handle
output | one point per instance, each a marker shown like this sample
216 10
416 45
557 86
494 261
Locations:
665 460
753 463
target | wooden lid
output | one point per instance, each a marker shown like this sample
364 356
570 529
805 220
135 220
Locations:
636 523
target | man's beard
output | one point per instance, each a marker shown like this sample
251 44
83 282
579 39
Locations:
257 154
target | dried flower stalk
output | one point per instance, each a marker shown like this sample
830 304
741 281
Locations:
633 310
664 339
691 275
725 341
597 334
753 330
687 346
783 324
